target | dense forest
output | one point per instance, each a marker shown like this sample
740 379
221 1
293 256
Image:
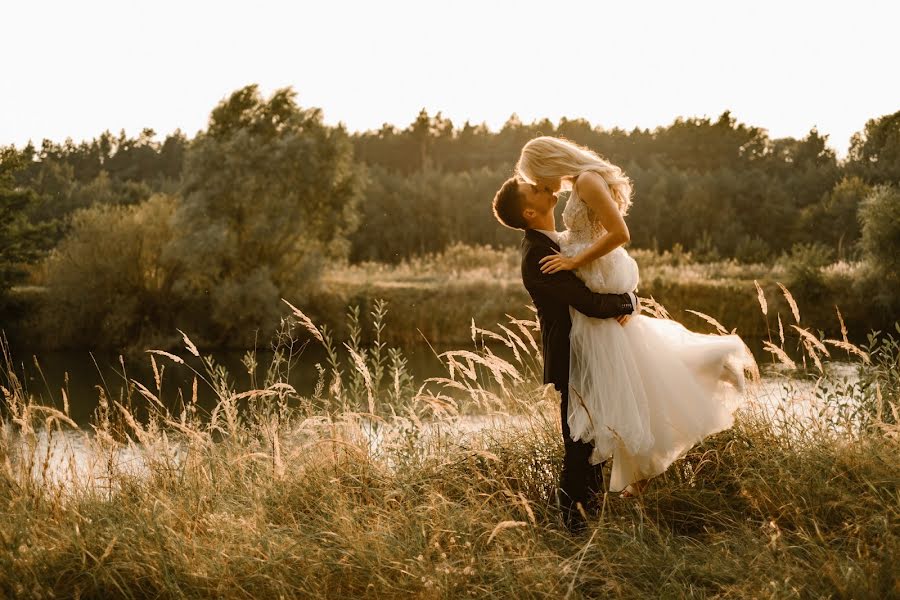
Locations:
135 236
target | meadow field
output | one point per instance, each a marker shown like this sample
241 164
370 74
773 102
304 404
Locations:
381 485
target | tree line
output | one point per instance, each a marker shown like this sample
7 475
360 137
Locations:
134 235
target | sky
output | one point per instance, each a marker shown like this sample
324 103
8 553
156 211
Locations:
75 69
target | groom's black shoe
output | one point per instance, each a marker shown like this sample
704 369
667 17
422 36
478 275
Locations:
596 488
576 523
573 513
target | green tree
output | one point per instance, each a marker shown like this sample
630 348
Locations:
21 241
833 220
875 152
270 192
879 217
715 185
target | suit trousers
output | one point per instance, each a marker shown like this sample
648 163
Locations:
579 481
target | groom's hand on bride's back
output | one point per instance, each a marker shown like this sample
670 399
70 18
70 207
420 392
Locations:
636 303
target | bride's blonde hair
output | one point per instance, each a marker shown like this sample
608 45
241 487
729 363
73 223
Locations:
551 158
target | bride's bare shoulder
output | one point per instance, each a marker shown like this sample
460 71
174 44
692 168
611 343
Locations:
590 181
592 188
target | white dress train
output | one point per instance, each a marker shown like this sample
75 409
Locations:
646 392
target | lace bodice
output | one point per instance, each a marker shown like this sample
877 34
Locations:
581 224
615 272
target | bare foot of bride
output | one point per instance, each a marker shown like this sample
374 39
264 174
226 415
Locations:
634 490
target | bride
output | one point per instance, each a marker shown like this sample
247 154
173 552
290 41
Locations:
646 392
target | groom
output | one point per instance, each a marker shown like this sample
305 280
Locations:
524 206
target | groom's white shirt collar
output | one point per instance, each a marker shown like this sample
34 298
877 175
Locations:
553 235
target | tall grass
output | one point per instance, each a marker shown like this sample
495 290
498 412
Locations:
378 485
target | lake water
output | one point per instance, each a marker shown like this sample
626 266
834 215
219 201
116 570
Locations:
81 373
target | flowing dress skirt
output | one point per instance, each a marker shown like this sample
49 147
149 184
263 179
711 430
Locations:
646 392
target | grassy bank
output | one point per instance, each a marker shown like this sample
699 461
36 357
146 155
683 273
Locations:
440 295
436 297
376 486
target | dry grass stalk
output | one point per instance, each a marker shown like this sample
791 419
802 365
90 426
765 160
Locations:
451 383
580 398
139 431
527 506
502 525
763 305
813 340
781 354
852 348
499 366
493 363
306 322
843 326
710 320
791 302
53 415
441 405
654 308
490 334
523 327
277 462
811 350
516 339
360 364
157 376
170 356
467 369
189 344
148 394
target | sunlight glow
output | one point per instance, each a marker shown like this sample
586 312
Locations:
76 69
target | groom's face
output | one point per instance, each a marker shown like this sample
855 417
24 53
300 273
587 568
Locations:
539 200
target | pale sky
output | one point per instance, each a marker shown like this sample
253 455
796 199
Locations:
74 69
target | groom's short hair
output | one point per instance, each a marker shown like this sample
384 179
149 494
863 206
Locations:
509 203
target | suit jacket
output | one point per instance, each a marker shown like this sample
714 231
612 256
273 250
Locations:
552 296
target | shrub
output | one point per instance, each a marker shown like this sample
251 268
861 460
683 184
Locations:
752 250
804 268
879 216
110 281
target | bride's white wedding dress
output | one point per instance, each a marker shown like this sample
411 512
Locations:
646 392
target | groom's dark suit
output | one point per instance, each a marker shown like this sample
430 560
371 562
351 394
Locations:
552 296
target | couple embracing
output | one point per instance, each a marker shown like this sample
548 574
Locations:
636 390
